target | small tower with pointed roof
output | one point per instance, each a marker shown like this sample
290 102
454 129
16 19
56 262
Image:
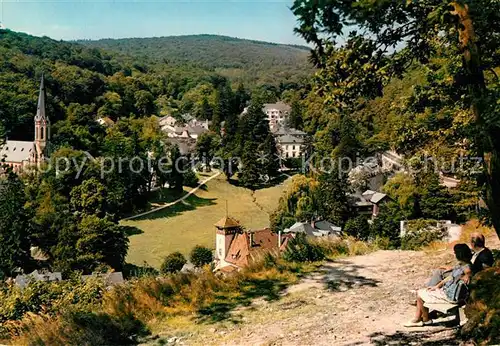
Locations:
42 126
226 229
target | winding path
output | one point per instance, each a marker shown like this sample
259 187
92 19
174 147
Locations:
176 201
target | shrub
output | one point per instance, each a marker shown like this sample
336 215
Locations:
190 178
49 297
200 256
299 249
331 247
483 309
79 328
173 263
358 227
421 233
382 243
358 247
386 225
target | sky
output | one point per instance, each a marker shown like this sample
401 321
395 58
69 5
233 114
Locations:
264 20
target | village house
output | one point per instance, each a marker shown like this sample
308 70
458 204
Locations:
23 281
369 202
277 113
315 229
20 154
188 127
290 142
235 248
290 146
392 161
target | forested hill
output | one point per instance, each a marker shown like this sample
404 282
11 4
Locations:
85 81
238 59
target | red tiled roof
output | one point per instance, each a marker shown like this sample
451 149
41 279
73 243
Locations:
242 248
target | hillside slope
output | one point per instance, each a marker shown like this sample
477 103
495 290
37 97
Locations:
360 300
246 60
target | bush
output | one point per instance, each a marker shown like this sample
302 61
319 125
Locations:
358 227
190 178
49 298
421 233
79 328
382 243
386 225
331 247
200 256
299 249
173 263
483 308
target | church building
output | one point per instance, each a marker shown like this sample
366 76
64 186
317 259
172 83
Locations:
20 154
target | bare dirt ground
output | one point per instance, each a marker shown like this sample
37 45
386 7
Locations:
353 301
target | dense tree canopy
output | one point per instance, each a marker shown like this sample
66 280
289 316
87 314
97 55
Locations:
456 43
250 62
14 227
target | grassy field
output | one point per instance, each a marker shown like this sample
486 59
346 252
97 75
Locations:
188 223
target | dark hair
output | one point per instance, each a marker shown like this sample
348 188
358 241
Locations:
462 252
477 240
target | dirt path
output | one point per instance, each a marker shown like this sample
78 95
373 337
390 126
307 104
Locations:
360 300
353 301
176 201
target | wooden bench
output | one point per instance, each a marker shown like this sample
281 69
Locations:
453 309
457 310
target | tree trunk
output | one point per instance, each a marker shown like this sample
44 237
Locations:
485 140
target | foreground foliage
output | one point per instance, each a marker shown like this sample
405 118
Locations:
74 313
483 310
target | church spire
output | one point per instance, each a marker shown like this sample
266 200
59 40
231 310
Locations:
40 110
42 126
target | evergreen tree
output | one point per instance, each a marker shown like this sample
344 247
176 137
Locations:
176 177
294 120
206 146
269 159
222 108
230 146
250 175
14 226
435 202
241 97
206 111
331 196
259 153
90 243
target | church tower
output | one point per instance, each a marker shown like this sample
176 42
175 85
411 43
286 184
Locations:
42 127
226 230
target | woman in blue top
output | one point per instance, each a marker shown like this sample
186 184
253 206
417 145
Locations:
443 292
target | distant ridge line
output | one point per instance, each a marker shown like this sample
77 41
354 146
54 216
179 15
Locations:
215 36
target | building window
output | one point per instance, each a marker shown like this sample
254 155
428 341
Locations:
42 133
293 148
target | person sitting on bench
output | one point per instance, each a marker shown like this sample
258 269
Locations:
482 258
444 291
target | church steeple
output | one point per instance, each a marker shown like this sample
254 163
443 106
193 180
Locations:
42 125
40 110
